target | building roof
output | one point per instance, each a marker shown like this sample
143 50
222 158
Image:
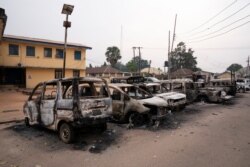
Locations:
102 70
183 72
14 38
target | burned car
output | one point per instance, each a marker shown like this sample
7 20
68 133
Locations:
211 94
185 86
135 106
59 105
174 100
228 85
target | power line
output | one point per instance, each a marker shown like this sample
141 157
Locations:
243 18
220 33
213 17
226 18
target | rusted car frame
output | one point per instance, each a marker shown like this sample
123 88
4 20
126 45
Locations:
228 85
60 106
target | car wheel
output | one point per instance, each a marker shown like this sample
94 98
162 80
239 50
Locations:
66 133
241 91
203 99
136 119
27 122
103 127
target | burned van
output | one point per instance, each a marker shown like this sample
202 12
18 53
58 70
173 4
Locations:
61 106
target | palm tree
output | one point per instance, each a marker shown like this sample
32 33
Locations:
113 55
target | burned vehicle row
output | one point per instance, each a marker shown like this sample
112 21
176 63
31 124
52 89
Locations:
174 100
135 106
59 105
197 91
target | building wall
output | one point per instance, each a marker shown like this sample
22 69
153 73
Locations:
224 75
39 60
36 75
40 68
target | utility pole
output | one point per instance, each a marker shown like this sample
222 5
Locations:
169 61
248 66
139 60
174 33
134 54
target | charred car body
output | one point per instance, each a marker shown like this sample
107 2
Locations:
228 85
174 100
59 105
134 105
211 94
153 86
185 86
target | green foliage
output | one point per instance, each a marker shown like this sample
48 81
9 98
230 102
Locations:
183 58
133 64
121 67
113 55
234 67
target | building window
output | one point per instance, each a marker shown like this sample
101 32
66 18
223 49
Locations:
13 49
58 73
76 73
48 52
30 51
59 53
78 55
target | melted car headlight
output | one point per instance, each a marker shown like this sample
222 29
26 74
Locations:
223 93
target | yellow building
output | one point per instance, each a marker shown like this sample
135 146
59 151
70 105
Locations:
28 61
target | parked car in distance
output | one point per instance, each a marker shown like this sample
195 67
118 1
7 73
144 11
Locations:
134 105
243 84
61 106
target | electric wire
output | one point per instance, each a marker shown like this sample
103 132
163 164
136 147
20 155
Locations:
213 17
226 18
220 33
243 18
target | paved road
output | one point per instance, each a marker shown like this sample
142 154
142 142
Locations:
203 135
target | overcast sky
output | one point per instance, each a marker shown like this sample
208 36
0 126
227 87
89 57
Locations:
145 23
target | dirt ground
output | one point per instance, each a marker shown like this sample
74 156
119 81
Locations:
201 135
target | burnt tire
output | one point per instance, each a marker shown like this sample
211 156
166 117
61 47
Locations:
66 133
103 127
27 122
203 99
136 119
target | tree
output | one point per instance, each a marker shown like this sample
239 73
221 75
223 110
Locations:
183 58
234 67
120 66
104 64
113 55
133 64
90 65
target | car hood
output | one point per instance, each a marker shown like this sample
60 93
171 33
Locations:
155 101
171 95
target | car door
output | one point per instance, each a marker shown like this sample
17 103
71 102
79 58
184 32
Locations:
117 103
47 104
32 108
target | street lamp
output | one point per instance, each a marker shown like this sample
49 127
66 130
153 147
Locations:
67 9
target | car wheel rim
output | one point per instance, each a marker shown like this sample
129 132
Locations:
65 134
